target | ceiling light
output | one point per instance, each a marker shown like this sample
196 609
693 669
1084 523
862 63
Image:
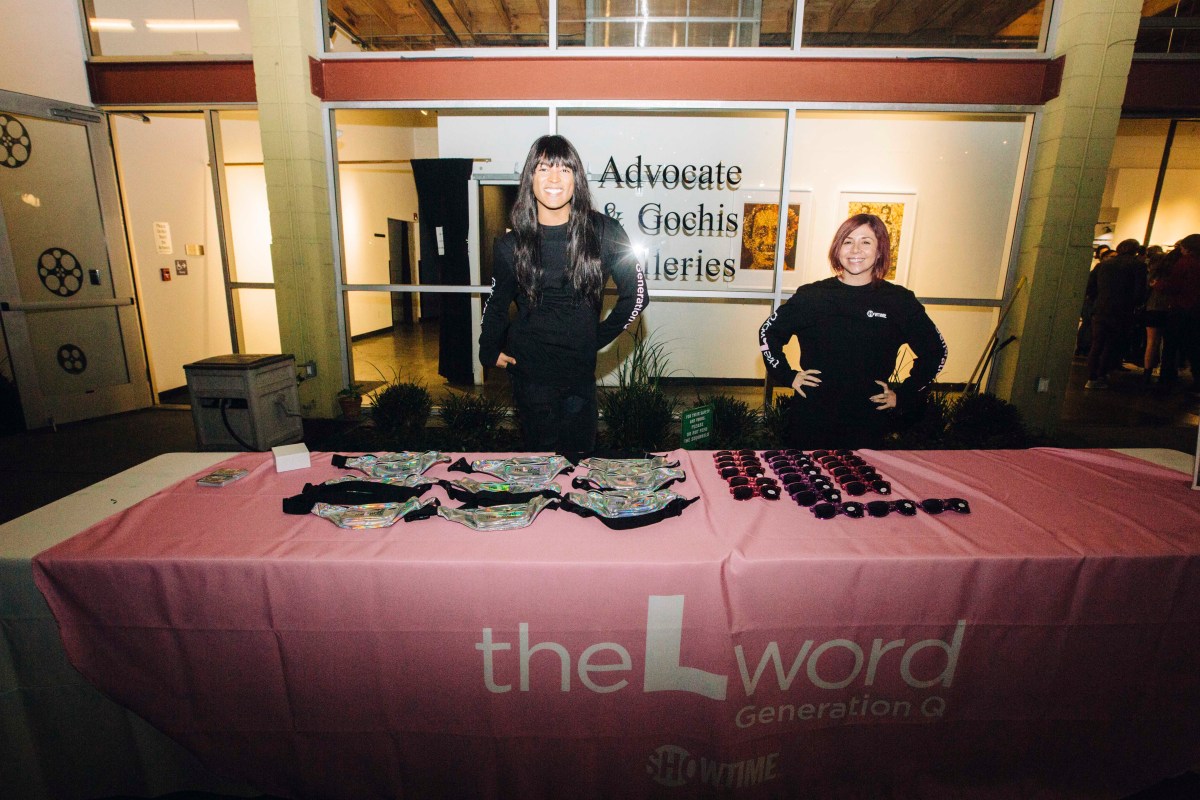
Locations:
102 24
192 25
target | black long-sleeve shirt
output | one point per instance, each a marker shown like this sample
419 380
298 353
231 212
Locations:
852 334
555 342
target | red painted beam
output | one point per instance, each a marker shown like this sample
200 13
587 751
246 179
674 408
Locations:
171 82
879 80
1169 88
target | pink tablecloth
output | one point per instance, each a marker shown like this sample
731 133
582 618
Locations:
1047 644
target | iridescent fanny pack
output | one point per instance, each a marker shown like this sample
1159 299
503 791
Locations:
391 465
517 468
351 491
493 493
377 515
622 509
497 518
643 464
633 479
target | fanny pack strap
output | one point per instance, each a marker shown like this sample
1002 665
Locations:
350 493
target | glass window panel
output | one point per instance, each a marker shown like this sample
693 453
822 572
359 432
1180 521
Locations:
257 320
246 190
954 177
1178 207
168 27
676 23
680 184
367 25
1132 175
1004 24
398 335
377 195
1169 26
711 342
171 217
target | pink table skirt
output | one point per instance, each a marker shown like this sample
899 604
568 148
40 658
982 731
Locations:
1045 645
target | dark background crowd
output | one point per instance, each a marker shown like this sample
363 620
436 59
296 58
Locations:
1142 306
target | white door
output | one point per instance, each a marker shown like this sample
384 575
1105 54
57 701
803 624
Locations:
67 299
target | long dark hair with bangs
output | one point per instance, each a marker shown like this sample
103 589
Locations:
883 255
583 244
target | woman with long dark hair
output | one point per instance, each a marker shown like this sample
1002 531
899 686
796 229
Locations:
554 264
850 328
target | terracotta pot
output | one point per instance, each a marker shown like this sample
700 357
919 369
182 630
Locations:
351 407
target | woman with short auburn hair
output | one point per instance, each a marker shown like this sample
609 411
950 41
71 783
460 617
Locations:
850 329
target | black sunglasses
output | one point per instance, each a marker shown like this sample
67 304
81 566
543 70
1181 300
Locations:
859 488
881 508
830 510
747 490
949 504
810 497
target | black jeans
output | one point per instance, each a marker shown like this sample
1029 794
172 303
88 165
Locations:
556 419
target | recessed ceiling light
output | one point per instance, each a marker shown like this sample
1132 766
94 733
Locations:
104 24
192 25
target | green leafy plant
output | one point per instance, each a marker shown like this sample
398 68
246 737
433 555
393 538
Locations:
638 415
925 428
964 422
735 424
985 422
400 411
352 390
775 418
473 423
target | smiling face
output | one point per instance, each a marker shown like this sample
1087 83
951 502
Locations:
553 188
857 256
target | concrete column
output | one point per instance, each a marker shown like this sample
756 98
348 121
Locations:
1074 145
284 35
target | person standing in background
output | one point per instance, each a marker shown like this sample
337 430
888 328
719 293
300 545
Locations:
1181 288
1116 287
1154 316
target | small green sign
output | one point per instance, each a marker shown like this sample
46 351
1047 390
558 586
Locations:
696 426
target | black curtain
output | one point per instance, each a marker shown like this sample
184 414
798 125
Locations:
442 207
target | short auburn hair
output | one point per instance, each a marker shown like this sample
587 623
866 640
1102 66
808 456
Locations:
883 241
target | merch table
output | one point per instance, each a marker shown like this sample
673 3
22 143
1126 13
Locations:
1045 645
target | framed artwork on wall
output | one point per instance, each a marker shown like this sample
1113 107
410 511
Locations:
898 210
760 227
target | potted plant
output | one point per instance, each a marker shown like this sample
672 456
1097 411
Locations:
399 412
350 399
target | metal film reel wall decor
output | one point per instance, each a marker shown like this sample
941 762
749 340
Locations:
72 359
15 144
60 271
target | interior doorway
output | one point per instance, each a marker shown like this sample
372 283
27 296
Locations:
194 194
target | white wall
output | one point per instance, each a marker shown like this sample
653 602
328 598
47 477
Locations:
165 178
1133 172
42 50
